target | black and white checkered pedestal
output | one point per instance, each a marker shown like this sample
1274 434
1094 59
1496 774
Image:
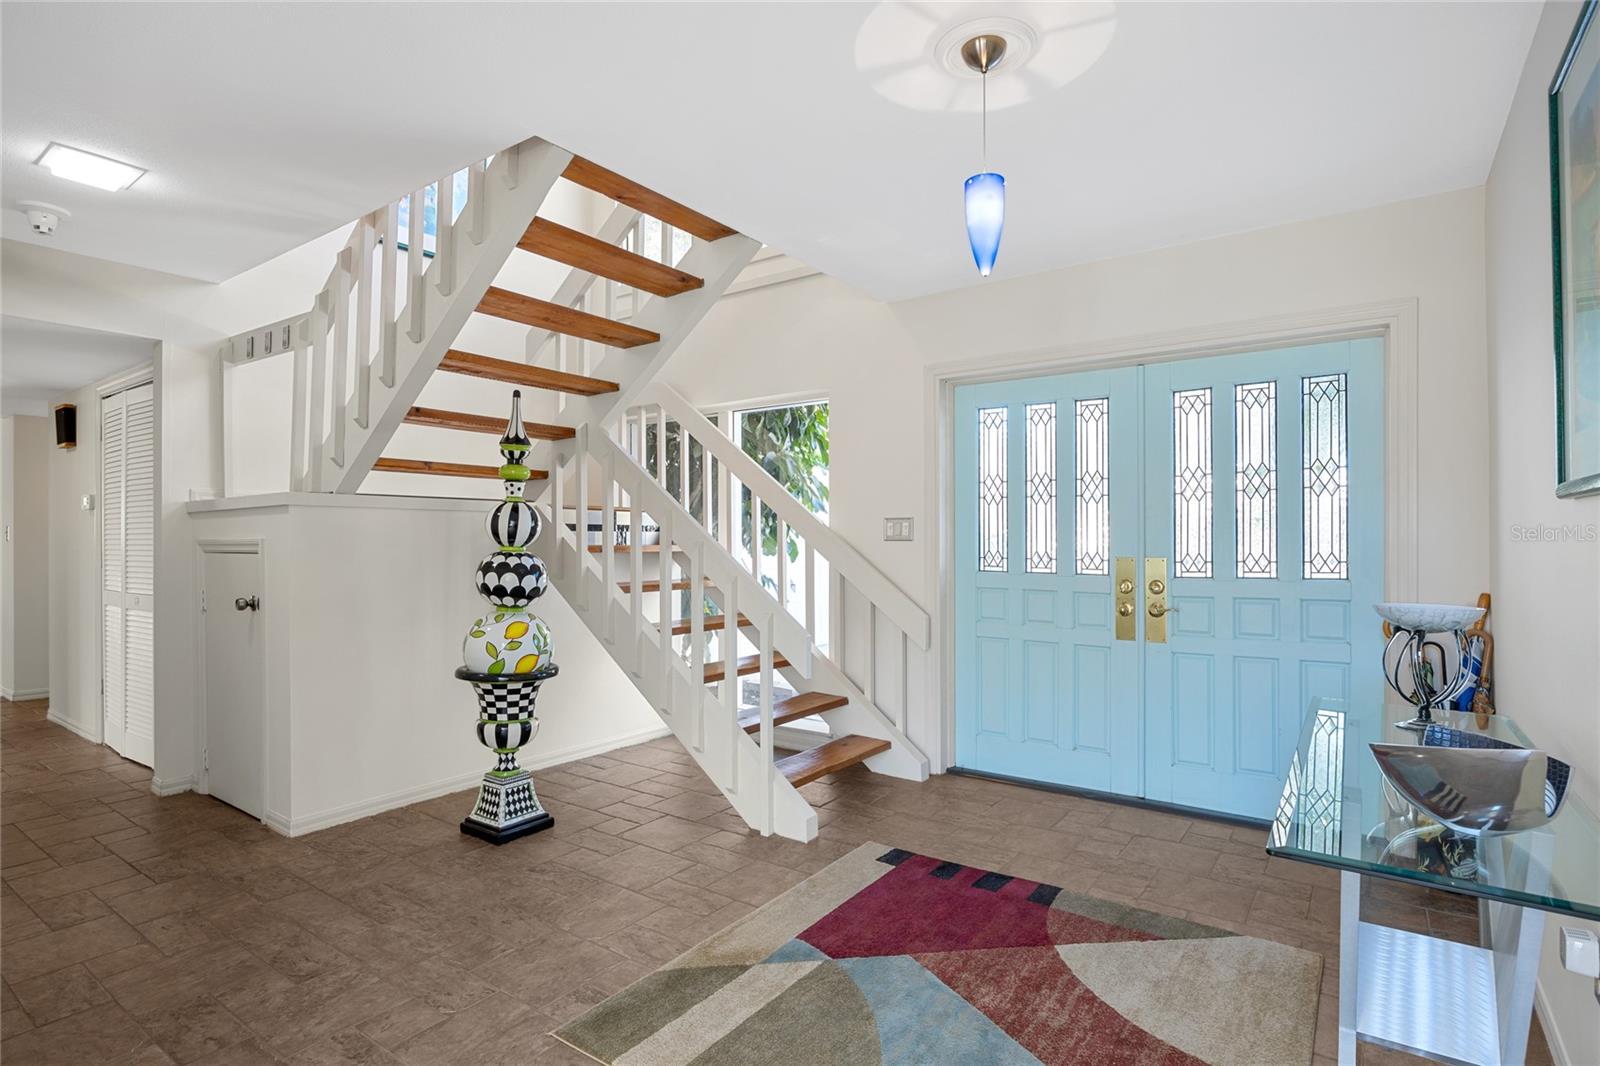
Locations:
507 808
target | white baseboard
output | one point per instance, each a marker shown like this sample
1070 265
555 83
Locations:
162 787
18 695
350 812
92 736
1552 1035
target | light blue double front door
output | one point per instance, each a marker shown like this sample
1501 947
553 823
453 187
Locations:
1242 495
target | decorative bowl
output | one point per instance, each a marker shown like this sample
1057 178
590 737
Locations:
1473 783
1429 617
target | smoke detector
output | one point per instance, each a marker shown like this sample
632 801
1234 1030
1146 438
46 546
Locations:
43 218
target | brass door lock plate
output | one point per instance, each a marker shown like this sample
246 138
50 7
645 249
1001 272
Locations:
1155 606
1127 620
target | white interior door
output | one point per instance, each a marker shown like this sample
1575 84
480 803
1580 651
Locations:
234 676
127 554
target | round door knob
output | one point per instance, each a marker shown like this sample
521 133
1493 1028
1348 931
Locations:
1157 586
1125 609
244 603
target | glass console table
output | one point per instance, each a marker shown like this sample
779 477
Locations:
1453 1002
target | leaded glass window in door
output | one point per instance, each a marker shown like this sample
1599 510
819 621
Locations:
1255 416
1093 502
1326 473
1191 489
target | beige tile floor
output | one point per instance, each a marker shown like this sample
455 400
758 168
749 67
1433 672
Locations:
146 930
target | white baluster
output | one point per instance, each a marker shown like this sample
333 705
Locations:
725 510
558 509
581 473
476 230
683 466
341 352
811 591
388 294
664 612
783 561
730 682
768 624
297 416
608 542
636 567
871 687
368 232
444 260
661 447
416 261
836 643
755 536
697 640
904 681
319 387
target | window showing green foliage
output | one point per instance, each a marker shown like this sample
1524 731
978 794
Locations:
791 444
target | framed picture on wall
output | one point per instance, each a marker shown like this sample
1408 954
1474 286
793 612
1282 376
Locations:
1575 217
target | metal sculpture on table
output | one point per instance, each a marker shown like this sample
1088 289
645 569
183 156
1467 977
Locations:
507 652
1430 684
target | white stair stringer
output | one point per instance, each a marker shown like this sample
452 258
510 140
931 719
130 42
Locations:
516 185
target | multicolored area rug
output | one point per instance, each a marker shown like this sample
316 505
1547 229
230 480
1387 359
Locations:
893 958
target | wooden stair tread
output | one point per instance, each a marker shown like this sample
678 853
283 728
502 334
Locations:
503 303
748 665
535 377
713 623
598 179
429 466
555 241
804 767
596 549
654 585
494 424
802 705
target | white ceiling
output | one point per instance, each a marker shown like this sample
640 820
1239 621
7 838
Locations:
822 129
41 361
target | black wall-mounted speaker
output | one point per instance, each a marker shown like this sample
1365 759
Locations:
66 425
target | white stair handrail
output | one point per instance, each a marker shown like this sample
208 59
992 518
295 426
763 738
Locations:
843 558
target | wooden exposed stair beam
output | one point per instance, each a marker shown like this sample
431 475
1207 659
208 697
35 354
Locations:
555 241
748 665
515 307
713 623
805 767
534 377
803 705
492 424
608 183
596 549
428 466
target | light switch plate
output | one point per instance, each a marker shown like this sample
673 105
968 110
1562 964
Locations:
897 529
87 502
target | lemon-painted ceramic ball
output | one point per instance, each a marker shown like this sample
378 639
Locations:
507 642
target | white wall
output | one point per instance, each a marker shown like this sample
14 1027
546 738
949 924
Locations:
872 361
25 447
1546 591
75 576
365 607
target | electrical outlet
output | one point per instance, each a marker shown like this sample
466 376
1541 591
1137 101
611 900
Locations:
897 529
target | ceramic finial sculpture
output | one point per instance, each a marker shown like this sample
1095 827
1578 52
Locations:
507 652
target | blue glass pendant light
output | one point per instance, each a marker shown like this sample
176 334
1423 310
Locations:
986 190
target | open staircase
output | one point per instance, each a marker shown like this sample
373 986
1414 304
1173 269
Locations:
653 530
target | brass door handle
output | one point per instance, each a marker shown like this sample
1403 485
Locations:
1125 610
1160 610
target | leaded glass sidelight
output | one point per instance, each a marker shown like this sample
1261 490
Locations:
1326 471
1041 488
1255 498
1093 525
992 488
1191 489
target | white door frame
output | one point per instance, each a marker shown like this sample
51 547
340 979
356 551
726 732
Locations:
1393 320
143 374
256 546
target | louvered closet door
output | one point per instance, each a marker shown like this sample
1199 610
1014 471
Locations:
127 547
